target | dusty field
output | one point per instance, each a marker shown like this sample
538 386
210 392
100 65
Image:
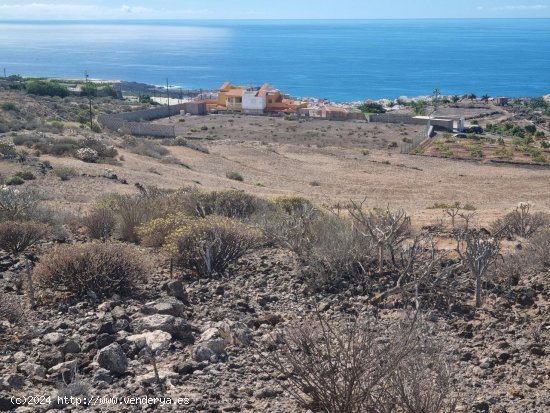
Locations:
327 175
311 133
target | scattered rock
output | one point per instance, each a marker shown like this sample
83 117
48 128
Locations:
113 359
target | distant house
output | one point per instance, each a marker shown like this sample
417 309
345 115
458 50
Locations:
252 100
501 101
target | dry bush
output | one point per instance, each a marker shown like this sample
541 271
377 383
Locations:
230 204
361 367
16 237
104 269
520 222
18 204
538 250
478 253
329 248
533 258
292 204
421 383
10 308
155 232
208 245
386 228
131 211
99 223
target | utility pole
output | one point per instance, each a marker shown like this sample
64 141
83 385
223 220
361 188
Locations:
5 73
88 92
436 93
168 95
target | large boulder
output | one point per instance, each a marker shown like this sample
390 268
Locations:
156 340
176 326
170 305
112 358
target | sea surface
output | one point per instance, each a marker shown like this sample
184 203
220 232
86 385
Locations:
342 60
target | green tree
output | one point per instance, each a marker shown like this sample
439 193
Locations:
455 98
46 88
372 108
88 89
419 107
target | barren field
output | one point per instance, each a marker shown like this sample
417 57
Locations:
327 175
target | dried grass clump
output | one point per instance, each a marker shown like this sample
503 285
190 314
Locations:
103 269
230 204
292 204
16 237
11 309
99 223
208 245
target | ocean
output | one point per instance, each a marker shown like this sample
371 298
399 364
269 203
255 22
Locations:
341 60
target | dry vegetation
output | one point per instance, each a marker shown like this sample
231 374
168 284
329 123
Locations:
429 295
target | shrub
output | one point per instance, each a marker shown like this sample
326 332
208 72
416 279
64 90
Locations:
104 269
26 175
64 173
87 155
131 211
10 308
18 204
520 222
14 180
209 245
8 106
235 176
46 88
99 223
7 150
146 147
17 237
292 204
230 204
154 233
361 366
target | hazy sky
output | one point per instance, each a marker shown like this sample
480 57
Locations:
262 9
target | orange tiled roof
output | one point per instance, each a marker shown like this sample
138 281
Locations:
235 93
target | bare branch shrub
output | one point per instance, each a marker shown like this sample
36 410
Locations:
387 228
208 245
105 269
10 308
17 237
534 257
520 222
99 223
478 252
420 275
359 366
421 383
18 204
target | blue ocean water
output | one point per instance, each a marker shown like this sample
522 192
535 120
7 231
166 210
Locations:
341 60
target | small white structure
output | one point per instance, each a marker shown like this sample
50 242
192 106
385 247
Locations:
253 104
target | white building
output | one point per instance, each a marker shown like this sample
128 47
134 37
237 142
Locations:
253 104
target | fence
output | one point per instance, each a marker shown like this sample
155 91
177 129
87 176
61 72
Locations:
408 147
130 121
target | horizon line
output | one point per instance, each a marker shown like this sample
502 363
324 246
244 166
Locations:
269 19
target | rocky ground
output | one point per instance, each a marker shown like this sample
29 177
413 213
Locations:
210 339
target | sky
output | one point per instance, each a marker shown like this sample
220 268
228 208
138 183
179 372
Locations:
268 9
